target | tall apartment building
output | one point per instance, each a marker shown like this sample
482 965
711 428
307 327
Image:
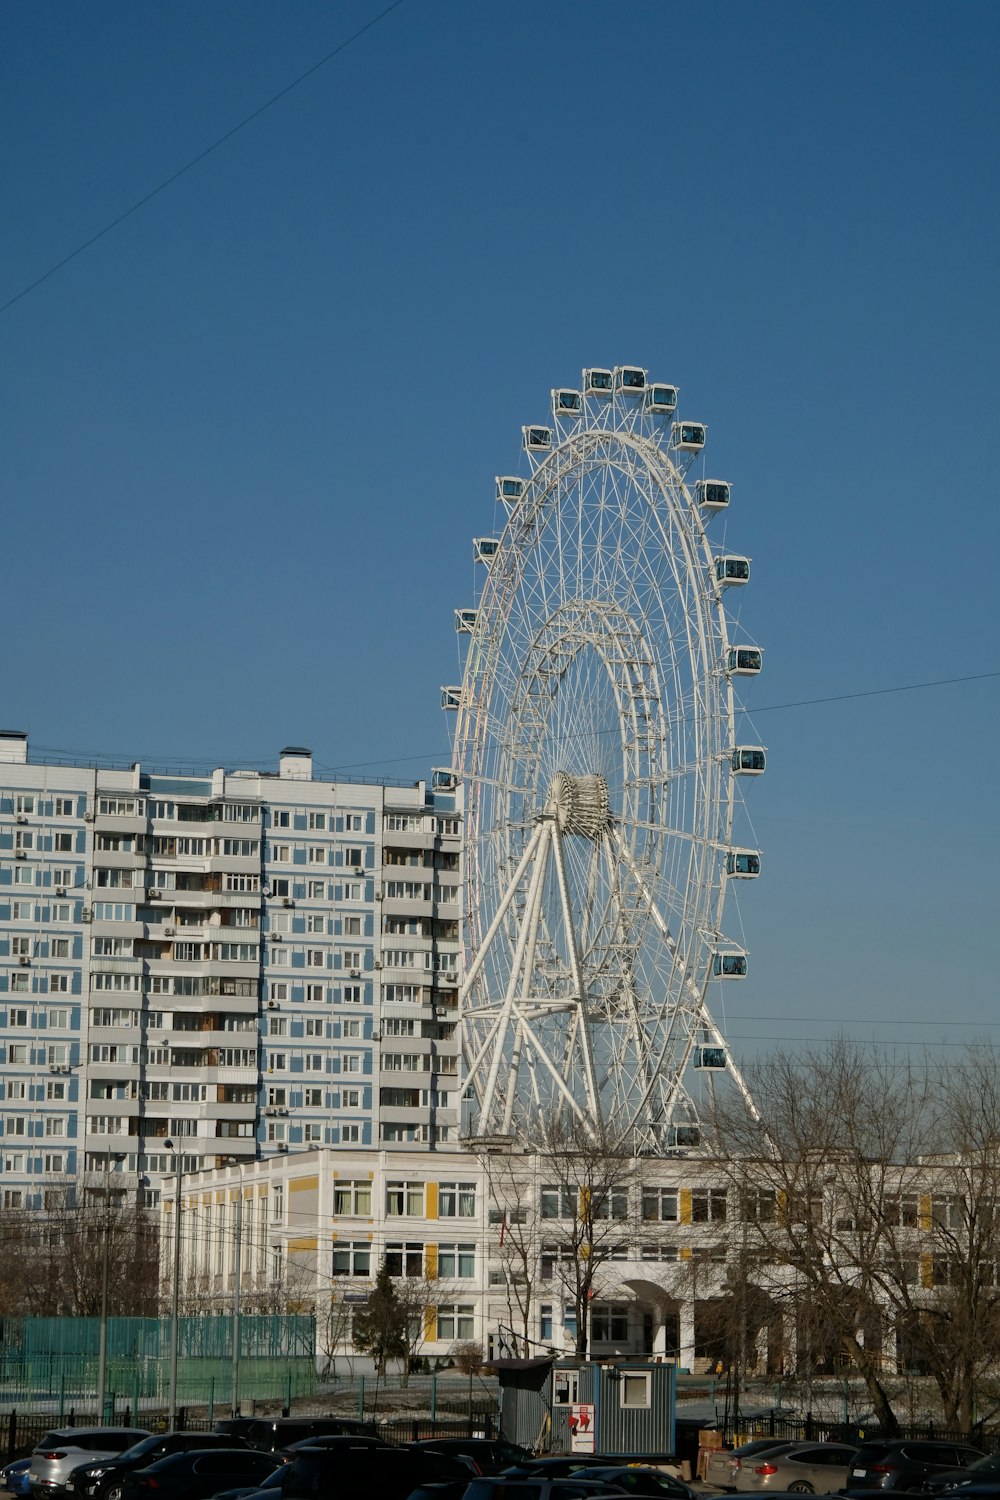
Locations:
240 963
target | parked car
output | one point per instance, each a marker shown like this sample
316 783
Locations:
724 1463
274 1434
14 1477
563 1465
196 1474
568 1487
102 1480
804 1469
490 1455
636 1480
63 1448
985 1471
905 1463
388 1473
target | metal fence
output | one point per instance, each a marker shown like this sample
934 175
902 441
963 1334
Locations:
21 1432
51 1364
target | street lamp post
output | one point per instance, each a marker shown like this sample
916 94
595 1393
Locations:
176 1290
102 1343
237 1275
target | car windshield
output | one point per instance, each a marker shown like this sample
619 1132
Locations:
139 1450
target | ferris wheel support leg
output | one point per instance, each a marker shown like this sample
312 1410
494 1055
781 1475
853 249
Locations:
532 918
700 1014
524 939
557 1079
502 909
583 1016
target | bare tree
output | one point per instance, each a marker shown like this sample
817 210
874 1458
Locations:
514 1219
838 1137
51 1263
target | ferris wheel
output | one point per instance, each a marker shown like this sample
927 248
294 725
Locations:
595 734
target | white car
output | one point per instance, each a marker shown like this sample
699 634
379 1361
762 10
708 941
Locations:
62 1449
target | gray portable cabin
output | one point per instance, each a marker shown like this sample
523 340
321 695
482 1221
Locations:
611 1408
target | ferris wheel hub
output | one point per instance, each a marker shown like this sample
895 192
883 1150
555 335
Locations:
580 804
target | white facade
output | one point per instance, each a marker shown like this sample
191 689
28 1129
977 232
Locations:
241 964
319 1224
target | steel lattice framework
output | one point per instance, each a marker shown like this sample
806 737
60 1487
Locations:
595 734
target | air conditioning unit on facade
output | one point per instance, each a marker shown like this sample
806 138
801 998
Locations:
155 895
88 817
378 963
22 817
269 1109
168 932
86 915
355 973
287 901
282 1146
19 854
272 1005
65 1068
53 1067
359 869
24 960
60 890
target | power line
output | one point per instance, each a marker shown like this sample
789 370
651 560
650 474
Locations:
767 708
331 773
906 687
196 160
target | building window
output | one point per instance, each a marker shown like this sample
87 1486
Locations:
350 1135
457 1200
405 1199
558 1203
545 1322
456 1321
659 1205
610 1203
609 1323
404 1259
708 1206
457 1261
353 1198
634 1390
354 1258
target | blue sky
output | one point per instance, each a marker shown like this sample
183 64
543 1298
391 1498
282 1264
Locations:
249 435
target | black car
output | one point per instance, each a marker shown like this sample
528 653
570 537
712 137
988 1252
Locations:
490 1455
103 1479
274 1434
905 1463
197 1474
566 1487
985 1472
371 1468
635 1480
563 1465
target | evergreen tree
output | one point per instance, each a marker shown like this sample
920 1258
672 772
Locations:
380 1327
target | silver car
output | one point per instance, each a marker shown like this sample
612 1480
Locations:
62 1449
804 1469
724 1464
